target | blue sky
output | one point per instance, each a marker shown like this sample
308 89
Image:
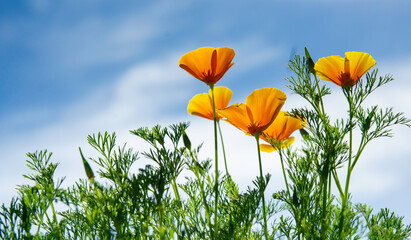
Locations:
72 68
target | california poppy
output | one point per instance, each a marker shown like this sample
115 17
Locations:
208 64
259 111
202 104
344 71
280 130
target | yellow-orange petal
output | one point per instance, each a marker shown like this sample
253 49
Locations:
208 64
360 63
267 148
222 96
264 105
282 127
225 57
236 115
270 148
199 62
201 105
330 68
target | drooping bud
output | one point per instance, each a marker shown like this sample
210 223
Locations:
309 61
186 140
87 168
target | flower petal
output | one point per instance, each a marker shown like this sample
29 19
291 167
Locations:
208 64
270 148
222 97
360 63
288 142
236 115
330 68
201 105
264 105
267 148
199 62
283 126
224 57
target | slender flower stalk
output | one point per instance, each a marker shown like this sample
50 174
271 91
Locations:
344 72
202 105
257 138
209 65
349 167
204 200
253 117
327 178
283 168
278 137
319 94
222 145
215 164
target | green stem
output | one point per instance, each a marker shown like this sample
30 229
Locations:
327 178
349 168
203 197
257 138
329 186
296 212
324 183
161 227
317 205
216 166
319 93
284 175
360 149
177 194
222 144
337 182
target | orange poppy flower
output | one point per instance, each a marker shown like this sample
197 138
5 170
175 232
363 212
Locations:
280 130
208 64
202 104
344 71
259 111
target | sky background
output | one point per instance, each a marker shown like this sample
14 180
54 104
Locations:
72 68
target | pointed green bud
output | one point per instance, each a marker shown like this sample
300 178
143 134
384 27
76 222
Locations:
186 140
87 168
309 61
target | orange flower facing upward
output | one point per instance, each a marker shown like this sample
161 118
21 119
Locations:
344 71
202 104
208 64
280 130
259 111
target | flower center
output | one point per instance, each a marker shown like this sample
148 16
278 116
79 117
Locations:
345 79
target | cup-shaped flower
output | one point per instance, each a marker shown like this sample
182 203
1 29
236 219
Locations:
279 132
261 108
208 64
202 104
344 71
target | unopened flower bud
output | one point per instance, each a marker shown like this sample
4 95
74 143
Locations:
309 61
87 168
